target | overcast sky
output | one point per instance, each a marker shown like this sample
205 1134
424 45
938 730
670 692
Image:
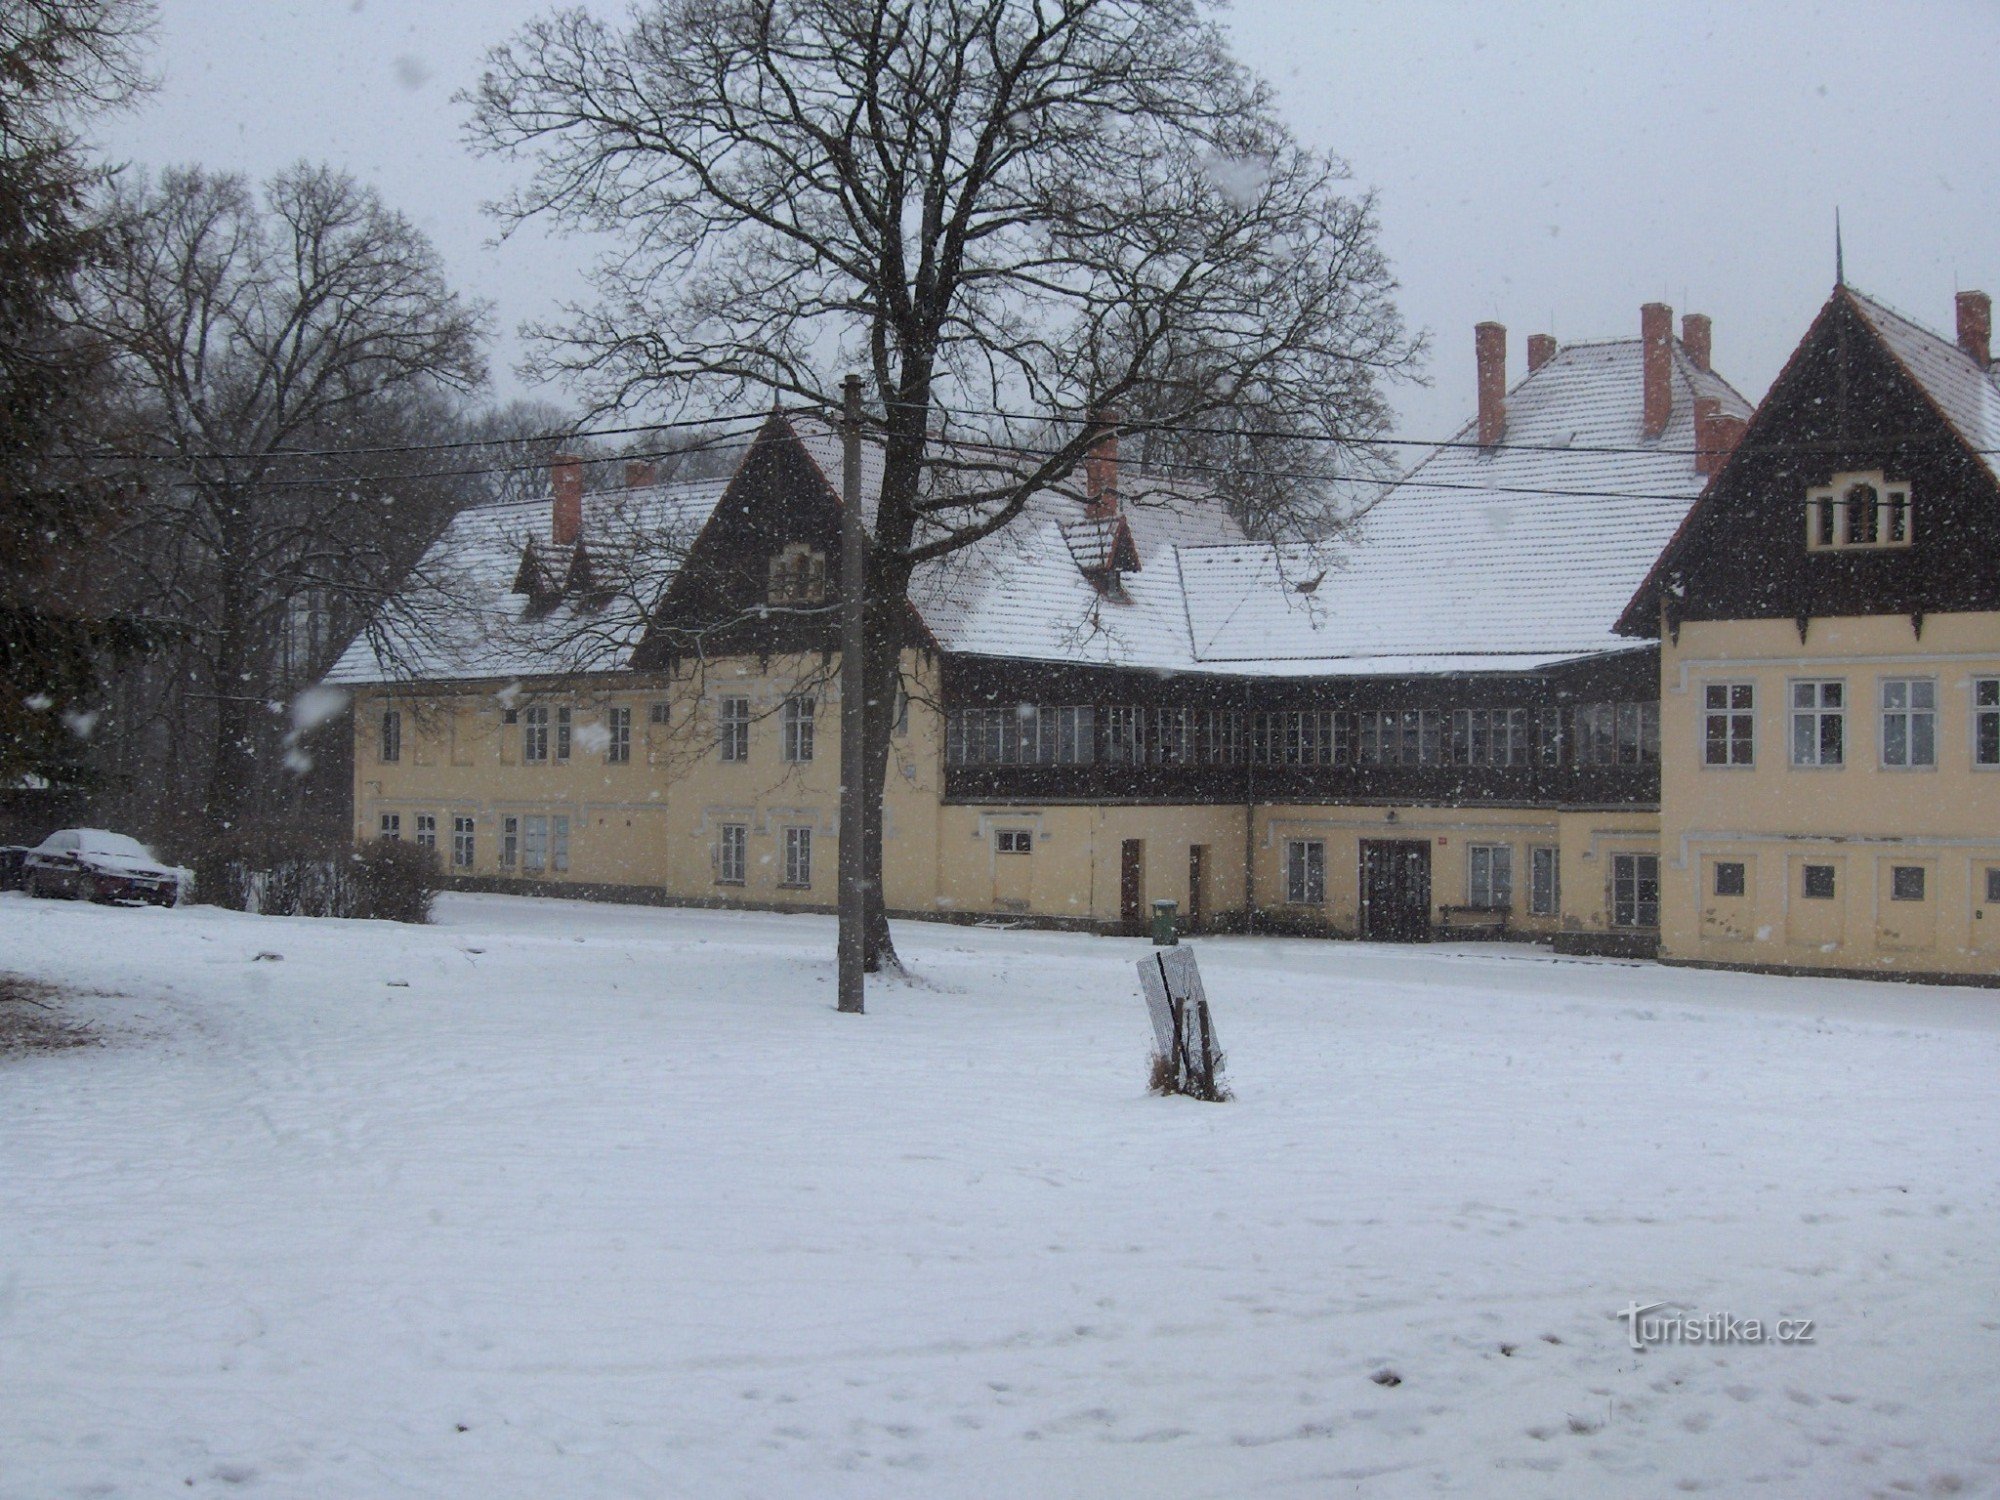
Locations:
1550 166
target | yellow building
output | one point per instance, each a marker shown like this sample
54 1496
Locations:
1830 667
1425 727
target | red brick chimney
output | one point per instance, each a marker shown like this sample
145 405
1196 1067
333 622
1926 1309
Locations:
566 479
1715 436
1100 470
1541 349
1975 327
641 474
1656 332
1489 351
1697 335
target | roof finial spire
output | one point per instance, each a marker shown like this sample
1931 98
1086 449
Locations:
1839 260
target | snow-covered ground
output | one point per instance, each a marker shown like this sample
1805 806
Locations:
552 1199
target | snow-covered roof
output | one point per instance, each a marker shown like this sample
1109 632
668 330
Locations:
460 615
1502 559
1967 394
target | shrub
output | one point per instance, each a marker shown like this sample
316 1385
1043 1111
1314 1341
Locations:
395 881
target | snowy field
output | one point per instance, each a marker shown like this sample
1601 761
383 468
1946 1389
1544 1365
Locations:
560 1200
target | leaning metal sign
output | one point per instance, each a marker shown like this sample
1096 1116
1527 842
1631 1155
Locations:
1186 1059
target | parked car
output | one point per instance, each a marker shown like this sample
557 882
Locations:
93 864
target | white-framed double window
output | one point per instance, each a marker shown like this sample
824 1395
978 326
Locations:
510 843
797 720
391 826
427 831
534 843
463 843
1819 722
1544 881
1729 724
1986 721
732 728
392 735
798 857
1909 723
732 849
1305 872
1013 841
617 736
535 733
1858 510
1635 890
562 733
1489 870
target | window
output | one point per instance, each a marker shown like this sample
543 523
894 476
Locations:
461 843
798 857
1489 737
1986 721
1858 510
559 843
1729 877
1021 735
562 733
1173 736
1906 882
798 725
392 825
1399 737
1617 734
1013 841
1818 712
1635 890
535 733
1305 872
1816 882
1123 743
427 831
1993 883
798 575
732 718
902 720
392 735
1490 876
1909 722
656 715
1544 883
618 736
534 844
510 842
1729 723
1549 737
732 841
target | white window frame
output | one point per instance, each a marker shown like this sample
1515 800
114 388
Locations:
732 853
798 858
563 721
617 736
1489 876
1923 884
1626 871
1985 714
464 842
390 826
1892 498
1733 715
1305 872
510 842
426 831
1912 717
732 728
1817 713
1013 841
535 734
1544 881
390 748
559 843
534 844
797 719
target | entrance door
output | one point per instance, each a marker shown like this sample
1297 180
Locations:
1013 868
1132 885
1197 905
1396 890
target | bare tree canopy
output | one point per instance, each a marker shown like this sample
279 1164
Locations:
247 328
1009 213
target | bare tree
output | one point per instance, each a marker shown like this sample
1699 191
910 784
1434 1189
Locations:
287 355
1007 212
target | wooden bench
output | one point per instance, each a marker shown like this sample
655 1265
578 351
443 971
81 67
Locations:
1487 920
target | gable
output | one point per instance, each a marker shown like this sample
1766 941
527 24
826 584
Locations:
1844 405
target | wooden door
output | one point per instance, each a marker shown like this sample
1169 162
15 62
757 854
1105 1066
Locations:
1197 904
1396 890
1132 885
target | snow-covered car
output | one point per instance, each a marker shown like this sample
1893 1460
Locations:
13 866
94 864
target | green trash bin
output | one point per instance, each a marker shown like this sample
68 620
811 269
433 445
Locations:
1166 924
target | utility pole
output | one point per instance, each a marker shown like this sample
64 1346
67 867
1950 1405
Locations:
853 707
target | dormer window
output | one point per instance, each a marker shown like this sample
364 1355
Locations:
798 575
1858 510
